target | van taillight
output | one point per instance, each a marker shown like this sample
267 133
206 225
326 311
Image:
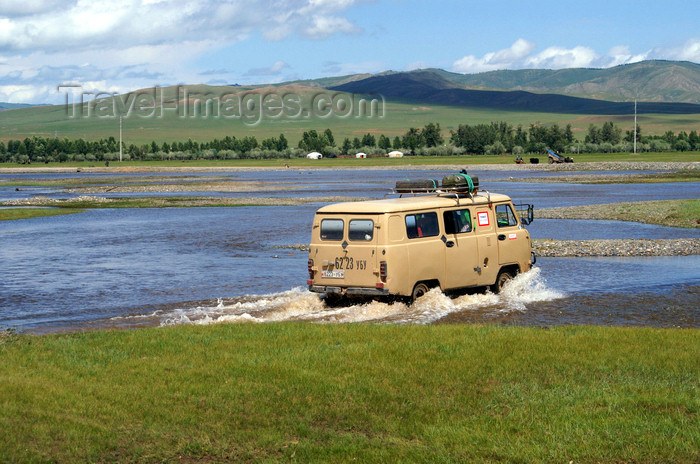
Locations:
382 271
311 269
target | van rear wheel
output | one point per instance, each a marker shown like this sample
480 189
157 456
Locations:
418 291
503 277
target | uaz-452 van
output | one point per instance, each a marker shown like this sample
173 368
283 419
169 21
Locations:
451 237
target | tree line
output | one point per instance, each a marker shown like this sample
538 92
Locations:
493 138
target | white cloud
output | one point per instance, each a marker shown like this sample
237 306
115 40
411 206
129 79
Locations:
522 55
560 57
324 26
137 40
492 61
689 51
622 55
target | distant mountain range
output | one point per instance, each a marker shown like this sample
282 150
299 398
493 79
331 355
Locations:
12 106
430 87
650 81
662 87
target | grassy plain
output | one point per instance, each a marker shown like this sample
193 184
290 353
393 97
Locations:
349 162
138 128
351 393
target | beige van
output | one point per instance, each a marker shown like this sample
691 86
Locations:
405 246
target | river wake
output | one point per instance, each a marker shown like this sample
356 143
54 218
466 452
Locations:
301 305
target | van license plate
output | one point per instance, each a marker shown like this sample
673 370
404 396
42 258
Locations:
333 274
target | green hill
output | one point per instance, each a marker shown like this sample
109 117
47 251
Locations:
435 88
411 99
654 81
12 106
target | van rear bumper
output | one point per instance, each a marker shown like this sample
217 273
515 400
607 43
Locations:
352 291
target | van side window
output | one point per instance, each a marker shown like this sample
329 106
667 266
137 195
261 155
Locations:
457 222
505 216
332 229
422 225
361 229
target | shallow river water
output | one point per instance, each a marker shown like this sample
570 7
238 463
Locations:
146 267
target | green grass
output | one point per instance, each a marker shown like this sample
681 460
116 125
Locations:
351 393
9 214
52 121
363 163
672 213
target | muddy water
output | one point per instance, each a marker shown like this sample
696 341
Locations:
152 267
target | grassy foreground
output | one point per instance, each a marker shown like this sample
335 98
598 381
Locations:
341 393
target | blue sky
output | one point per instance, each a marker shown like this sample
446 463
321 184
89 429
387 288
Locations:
122 45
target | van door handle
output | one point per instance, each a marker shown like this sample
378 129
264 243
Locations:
501 237
450 244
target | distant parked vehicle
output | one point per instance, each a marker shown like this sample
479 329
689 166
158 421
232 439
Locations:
555 157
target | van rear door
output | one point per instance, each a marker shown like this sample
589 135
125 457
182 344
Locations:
346 252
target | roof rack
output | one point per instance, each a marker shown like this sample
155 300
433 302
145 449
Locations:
454 183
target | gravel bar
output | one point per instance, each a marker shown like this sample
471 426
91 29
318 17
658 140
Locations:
581 248
619 247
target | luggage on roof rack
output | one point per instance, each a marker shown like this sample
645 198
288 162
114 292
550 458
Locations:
461 183
454 183
417 186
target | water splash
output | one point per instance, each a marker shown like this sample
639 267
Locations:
299 304
529 287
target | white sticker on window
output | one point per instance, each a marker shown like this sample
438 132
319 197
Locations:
483 217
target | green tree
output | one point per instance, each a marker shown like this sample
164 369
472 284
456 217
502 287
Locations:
329 137
670 137
368 140
384 142
594 134
282 143
520 137
611 134
347 146
431 135
396 144
412 139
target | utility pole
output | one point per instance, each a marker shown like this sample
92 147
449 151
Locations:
120 138
635 126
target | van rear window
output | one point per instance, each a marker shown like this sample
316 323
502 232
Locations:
422 225
332 229
361 230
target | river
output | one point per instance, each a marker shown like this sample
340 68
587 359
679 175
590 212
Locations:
148 267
